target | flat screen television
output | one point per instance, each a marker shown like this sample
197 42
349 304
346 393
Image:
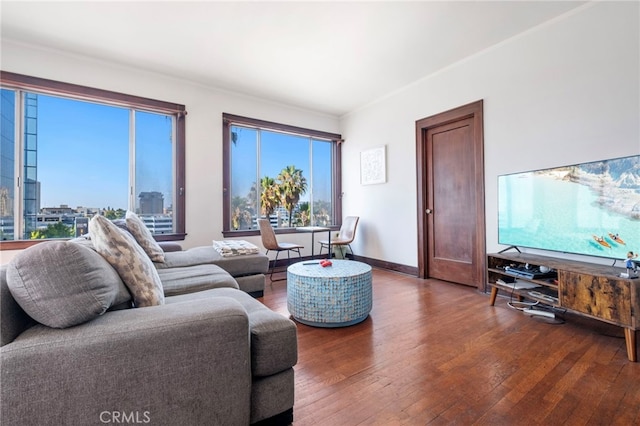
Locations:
590 209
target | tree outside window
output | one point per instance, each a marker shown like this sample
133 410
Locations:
276 171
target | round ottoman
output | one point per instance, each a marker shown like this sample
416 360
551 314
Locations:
336 296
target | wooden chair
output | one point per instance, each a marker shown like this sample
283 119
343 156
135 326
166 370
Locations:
346 235
270 242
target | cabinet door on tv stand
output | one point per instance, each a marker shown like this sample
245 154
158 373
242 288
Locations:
599 296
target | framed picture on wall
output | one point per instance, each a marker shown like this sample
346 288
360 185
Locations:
373 167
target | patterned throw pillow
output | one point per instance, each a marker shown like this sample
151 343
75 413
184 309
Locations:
129 259
143 236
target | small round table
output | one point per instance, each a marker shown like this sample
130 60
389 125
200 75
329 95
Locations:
335 296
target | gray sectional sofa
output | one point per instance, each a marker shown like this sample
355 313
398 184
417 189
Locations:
209 354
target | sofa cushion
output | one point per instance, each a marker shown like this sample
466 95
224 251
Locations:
61 284
194 278
237 266
252 284
143 236
168 246
134 266
271 395
274 339
13 319
193 256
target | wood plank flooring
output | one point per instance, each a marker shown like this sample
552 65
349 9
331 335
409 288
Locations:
436 353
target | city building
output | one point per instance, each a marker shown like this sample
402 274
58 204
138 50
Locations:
158 224
7 155
151 203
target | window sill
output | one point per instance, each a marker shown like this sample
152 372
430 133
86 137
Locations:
256 232
23 244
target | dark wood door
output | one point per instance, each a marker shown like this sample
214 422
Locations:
451 231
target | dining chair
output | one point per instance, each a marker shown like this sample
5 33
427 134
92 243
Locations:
270 242
346 235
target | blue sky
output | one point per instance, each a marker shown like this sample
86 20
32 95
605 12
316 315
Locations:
278 151
83 153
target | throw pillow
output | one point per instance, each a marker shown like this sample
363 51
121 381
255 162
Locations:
123 299
129 259
143 236
61 284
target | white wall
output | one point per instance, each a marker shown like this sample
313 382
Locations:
565 92
203 126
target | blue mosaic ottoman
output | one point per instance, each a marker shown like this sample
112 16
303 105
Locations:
336 296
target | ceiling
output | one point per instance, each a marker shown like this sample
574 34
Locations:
331 57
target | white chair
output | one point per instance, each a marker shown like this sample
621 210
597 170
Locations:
346 235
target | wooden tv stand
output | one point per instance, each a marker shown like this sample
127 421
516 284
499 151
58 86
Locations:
594 291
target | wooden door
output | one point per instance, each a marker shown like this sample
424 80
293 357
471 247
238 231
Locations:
451 221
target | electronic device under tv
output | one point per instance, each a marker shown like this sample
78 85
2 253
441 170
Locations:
590 209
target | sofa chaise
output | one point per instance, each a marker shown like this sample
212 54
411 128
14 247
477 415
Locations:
248 270
81 344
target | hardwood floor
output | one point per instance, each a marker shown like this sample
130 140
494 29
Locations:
436 353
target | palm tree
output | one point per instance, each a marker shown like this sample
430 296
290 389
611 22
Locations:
111 214
291 185
239 207
269 198
304 214
252 197
53 230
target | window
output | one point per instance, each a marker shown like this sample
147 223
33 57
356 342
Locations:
290 174
69 152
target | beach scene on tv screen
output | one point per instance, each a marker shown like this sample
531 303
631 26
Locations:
591 208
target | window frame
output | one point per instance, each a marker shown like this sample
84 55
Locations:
229 120
14 81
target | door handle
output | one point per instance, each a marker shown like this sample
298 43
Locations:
428 211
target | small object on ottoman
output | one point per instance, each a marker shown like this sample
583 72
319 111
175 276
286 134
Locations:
329 297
